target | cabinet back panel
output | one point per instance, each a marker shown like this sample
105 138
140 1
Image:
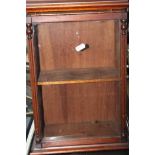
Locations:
57 42
76 103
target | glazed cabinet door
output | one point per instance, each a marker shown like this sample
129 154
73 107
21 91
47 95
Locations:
78 69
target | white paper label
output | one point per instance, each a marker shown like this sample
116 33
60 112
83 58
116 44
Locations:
80 47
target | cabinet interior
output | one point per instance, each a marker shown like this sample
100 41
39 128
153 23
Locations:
80 90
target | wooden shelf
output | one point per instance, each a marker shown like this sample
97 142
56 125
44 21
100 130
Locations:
81 133
77 76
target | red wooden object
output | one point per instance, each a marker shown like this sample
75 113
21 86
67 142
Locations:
79 98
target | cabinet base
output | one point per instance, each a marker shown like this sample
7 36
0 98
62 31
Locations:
80 148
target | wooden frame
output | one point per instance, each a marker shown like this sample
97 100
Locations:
79 5
42 9
81 148
33 78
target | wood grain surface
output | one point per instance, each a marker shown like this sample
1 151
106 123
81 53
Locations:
87 108
76 103
57 42
41 6
80 148
68 76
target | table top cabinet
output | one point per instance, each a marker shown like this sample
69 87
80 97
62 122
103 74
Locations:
77 53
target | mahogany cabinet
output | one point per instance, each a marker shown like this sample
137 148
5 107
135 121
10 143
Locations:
77 53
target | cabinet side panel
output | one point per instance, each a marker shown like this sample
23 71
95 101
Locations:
33 77
123 27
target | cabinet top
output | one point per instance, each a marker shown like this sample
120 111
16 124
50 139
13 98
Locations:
45 6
